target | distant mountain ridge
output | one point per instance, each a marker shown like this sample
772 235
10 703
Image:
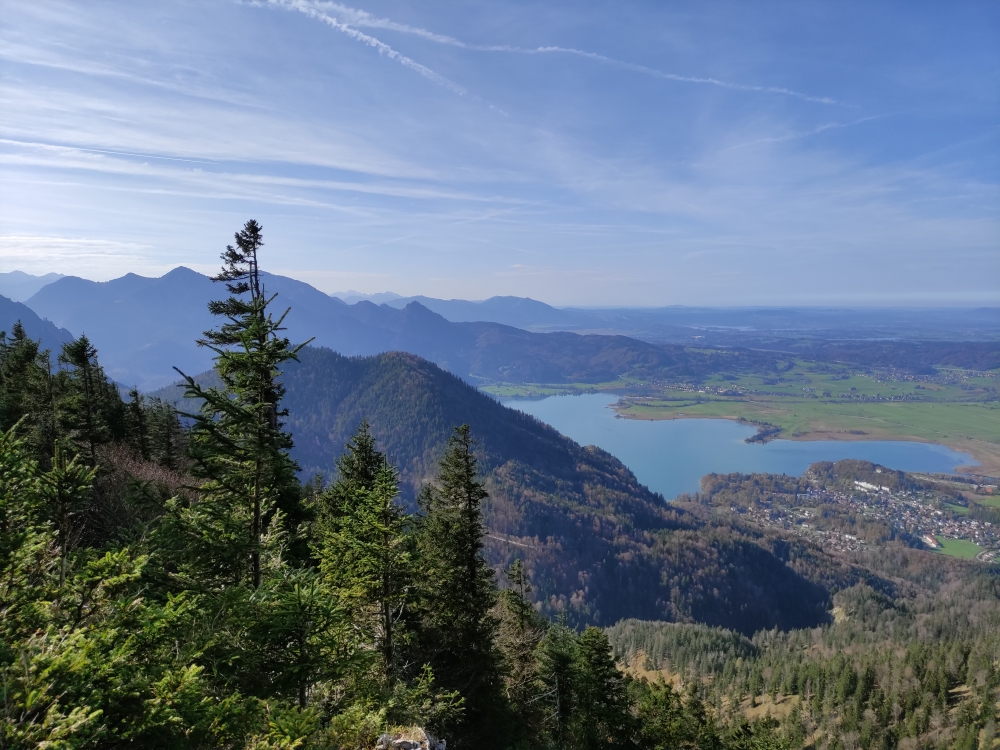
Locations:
19 286
520 312
51 336
144 327
748 326
351 297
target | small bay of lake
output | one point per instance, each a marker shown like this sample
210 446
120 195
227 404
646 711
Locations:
671 456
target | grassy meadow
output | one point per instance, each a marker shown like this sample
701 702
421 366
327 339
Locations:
958 548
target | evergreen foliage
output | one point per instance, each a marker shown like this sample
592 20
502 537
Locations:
458 629
365 557
25 389
90 409
240 448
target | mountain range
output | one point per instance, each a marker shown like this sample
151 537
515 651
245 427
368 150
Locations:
600 546
746 326
144 327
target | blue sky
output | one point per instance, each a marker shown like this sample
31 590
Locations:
612 153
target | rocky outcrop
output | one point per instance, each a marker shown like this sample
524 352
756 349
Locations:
411 738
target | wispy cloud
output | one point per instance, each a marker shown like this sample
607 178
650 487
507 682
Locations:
357 17
150 126
76 62
804 134
225 181
319 12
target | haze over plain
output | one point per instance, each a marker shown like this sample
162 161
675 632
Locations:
604 154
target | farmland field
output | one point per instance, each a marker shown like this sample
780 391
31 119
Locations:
958 548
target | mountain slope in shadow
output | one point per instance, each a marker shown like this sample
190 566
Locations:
599 545
51 336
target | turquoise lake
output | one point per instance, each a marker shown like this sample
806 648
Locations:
671 456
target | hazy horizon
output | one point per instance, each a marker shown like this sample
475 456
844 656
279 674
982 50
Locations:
352 295
585 155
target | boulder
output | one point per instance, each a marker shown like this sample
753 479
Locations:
410 738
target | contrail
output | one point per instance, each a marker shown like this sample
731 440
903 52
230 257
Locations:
313 11
359 17
805 134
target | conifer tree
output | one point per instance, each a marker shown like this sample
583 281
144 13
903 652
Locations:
357 468
21 376
365 560
603 718
20 506
238 442
458 628
558 670
521 629
359 542
167 439
64 490
138 422
89 406
26 396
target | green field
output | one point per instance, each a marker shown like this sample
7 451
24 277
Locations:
937 422
821 401
541 390
992 500
807 402
958 548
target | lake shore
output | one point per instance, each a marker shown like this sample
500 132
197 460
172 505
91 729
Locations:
986 453
672 455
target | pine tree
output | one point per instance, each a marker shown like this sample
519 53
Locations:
65 490
603 719
138 422
26 392
237 441
558 667
458 629
357 468
21 512
90 409
365 558
167 439
521 629
22 378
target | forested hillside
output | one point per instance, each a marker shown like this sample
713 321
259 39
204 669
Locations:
918 668
598 545
912 656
